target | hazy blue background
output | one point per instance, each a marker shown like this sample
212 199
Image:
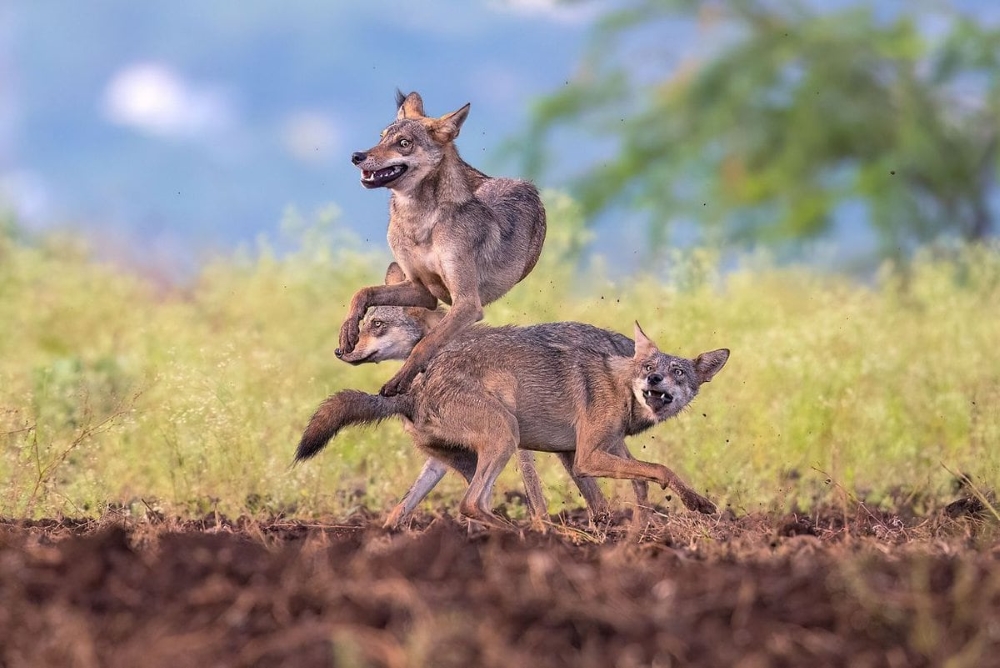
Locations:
184 125
181 127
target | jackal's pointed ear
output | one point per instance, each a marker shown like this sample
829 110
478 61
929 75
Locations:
427 318
644 346
410 106
709 364
394 274
447 127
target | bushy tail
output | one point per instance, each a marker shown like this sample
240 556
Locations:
345 408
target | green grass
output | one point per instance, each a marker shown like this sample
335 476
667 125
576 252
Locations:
114 392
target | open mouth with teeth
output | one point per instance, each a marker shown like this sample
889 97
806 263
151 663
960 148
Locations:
381 177
657 401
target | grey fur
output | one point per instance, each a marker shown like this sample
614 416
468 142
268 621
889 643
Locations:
551 387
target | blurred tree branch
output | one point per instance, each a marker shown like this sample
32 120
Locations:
788 114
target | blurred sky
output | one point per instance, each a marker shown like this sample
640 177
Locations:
181 125
164 128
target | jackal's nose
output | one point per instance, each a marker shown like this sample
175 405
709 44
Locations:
358 157
654 379
338 352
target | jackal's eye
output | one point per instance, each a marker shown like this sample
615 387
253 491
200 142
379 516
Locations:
382 134
648 368
377 324
404 143
679 372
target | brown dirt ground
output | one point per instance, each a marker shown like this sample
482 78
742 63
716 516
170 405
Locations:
846 587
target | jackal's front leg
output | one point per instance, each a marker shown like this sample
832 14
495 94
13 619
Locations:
406 293
594 458
597 505
461 315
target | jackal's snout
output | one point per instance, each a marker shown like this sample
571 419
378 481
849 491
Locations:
655 392
656 397
373 173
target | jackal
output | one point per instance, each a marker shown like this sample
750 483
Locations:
544 387
390 333
460 236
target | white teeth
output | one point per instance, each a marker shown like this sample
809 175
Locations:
372 175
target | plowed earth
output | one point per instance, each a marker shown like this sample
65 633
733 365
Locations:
845 587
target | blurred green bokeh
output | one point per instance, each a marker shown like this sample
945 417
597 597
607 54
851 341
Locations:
872 124
117 393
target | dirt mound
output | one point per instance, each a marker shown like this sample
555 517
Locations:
861 589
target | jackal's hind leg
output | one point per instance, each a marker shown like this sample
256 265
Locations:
442 458
430 475
494 438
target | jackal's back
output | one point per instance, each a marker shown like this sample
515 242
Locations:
547 375
521 217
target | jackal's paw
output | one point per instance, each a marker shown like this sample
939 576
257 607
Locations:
601 518
350 332
394 521
539 525
698 503
479 522
398 384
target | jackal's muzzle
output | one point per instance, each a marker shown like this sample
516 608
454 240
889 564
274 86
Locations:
376 178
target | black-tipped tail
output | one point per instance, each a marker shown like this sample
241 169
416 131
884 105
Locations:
343 409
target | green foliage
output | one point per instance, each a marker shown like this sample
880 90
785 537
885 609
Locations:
792 113
114 393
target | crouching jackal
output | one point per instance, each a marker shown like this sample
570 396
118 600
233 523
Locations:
461 237
548 387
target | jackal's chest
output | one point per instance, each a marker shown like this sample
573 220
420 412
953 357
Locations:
423 265
411 223
413 247
420 257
